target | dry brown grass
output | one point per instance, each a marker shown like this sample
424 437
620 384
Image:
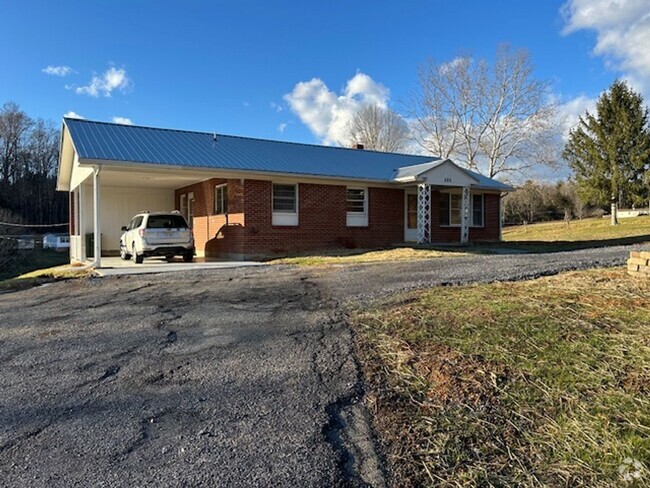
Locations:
538 383
361 256
43 276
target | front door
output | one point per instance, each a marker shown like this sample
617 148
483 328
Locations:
411 215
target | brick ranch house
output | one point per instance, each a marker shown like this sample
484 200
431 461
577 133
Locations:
246 198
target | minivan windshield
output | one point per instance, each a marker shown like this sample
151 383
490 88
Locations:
166 222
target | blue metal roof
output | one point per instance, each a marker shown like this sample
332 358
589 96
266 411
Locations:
116 142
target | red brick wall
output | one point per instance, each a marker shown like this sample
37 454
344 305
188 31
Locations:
216 235
489 231
321 219
248 229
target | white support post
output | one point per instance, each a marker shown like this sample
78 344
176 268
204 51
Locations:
464 216
75 240
424 213
83 255
96 217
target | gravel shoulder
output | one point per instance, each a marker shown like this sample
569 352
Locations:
238 377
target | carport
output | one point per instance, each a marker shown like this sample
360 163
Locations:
105 194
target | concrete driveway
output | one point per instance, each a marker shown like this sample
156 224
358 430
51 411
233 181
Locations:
114 266
242 377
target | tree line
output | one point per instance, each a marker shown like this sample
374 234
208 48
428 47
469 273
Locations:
29 151
535 202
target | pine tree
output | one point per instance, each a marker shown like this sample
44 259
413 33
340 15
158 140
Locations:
609 152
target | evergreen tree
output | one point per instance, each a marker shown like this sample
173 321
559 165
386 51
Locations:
609 152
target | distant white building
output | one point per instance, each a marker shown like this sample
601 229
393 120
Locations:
58 242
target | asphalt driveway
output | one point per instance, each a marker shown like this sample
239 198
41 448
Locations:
231 377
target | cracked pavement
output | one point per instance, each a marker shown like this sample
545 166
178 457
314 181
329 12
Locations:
238 377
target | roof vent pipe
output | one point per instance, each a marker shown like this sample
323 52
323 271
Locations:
214 137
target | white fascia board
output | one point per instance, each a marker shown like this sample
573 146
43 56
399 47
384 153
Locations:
235 173
67 154
405 179
451 171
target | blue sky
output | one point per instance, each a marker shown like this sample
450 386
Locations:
233 66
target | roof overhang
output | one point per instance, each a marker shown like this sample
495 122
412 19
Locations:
445 173
131 173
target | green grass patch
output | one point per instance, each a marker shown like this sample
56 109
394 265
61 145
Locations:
362 256
597 229
538 383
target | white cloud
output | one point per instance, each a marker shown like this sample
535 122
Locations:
569 112
122 120
73 115
327 114
57 70
455 63
623 34
112 79
277 107
282 126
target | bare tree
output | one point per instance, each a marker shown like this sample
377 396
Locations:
379 129
14 125
28 159
496 119
43 147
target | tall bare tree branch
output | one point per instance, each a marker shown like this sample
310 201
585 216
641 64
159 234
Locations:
496 119
379 129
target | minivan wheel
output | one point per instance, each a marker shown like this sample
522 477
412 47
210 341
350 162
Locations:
137 258
123 254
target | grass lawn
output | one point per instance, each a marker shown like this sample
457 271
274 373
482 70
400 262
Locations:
25 261
35 267
537 383
361 256
589 231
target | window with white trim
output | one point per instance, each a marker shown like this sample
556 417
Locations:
221 199
285 204
451 209
357 207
